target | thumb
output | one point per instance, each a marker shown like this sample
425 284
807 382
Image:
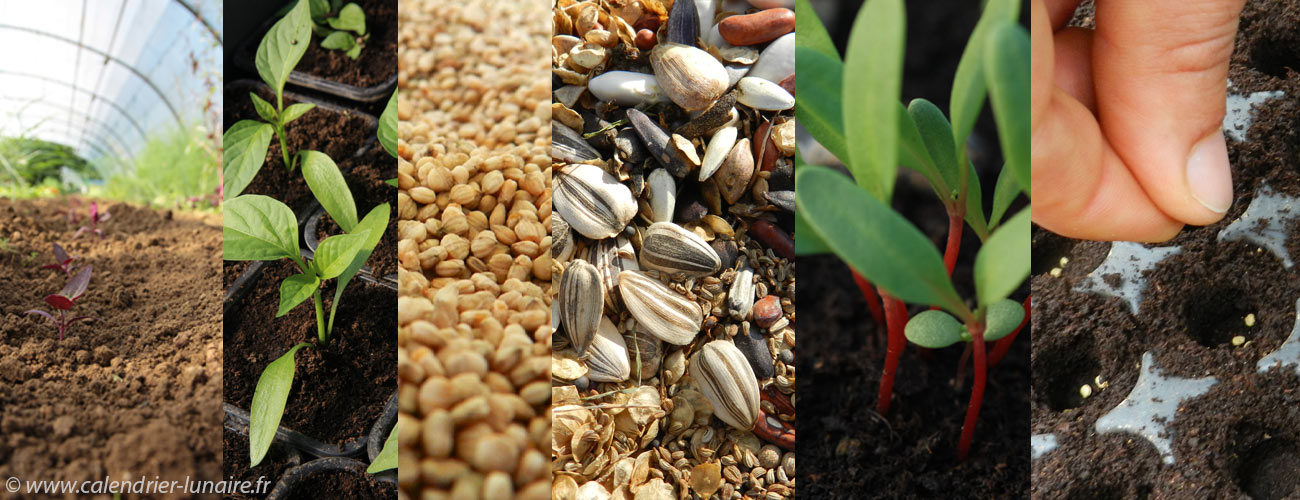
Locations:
1160 71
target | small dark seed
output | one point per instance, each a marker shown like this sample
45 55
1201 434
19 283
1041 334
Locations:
754 347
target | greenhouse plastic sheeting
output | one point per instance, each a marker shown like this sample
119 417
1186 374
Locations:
103 75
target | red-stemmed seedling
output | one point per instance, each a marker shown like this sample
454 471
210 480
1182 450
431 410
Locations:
96 218
62 261
65 300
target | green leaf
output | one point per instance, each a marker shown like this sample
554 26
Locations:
934 329
320 9
264 109
975 203
872 82
1002 317
350 18
936 133
873 239
1003 262
807 241
387 457
374 225
388 126
296 111
294 290
339 40
329 188
391 182
269 398
283 46
257 227
810 33
336 252
354 52
913 154
968 86
1003 194
1007 55
817 104
244 144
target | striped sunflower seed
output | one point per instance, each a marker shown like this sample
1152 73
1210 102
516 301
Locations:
670 248
608 361
592 201
562 245
661 311
727 382
582 299
611 257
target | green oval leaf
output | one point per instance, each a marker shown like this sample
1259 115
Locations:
269 398
807 241
968 85
295 111
936 133
1002 317
264 109
387 457
1007 54
329 188
373 226
872 83
873 239
350 18
1003 262
933 329
810 33
257 227
1004 192
388 126
338 40
817 101
294 290
336 252
244 148
283 46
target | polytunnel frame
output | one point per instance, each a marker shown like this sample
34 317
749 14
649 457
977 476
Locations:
115 146
135 124
80 114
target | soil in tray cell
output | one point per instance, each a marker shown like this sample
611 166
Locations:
338 135
338 391
136 392
366 176
235 463
378 60
329 484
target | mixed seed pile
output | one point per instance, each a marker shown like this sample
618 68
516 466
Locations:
474 210
673 156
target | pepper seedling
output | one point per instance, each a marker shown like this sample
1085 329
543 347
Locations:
62 261
245 143
852 107
388 130
387 457
341 27
258 227
65 300
96 218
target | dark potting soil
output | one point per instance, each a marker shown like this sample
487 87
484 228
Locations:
338 391
136 392
339 135
342 484
235 463
847 450
1240 438
377 62
366 175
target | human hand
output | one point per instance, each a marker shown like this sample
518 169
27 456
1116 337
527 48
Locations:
1126 119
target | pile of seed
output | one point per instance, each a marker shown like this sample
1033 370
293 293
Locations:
474 210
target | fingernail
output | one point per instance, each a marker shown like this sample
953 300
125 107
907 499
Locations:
1209 177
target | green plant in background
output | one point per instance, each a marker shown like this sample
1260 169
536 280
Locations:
26 161
172 168
260 228
246 141
852 107
341 27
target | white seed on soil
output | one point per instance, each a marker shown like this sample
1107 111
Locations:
691 77
582 299
728 382
671 248
608 360
626 88
776 63
592 201
1250 320
1085 390
764 95
719 146
663 195
1238 341
661 311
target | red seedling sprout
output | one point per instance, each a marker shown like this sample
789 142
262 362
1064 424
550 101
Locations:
896 319
96 217
65 300
873 302
976 329
62 261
